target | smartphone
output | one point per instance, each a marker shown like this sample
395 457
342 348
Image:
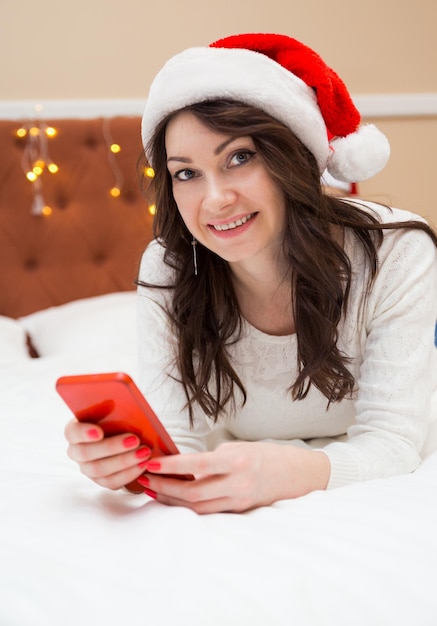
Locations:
114 402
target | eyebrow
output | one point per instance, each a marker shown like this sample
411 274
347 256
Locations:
217 151
223 145
180 159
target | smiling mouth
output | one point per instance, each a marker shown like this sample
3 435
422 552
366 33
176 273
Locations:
235 224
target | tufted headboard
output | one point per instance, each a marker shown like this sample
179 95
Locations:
91 242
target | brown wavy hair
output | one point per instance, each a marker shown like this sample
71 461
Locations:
205 311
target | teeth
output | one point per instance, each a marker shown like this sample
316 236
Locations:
232 225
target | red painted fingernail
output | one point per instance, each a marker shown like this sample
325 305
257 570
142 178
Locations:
93 433
153 465
130 442
142 465
150 493
142 453
143 480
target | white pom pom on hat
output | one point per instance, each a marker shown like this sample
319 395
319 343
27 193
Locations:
286 79
358 156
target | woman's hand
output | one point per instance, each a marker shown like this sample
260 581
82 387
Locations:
237 476
110 462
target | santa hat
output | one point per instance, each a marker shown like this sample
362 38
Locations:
284 78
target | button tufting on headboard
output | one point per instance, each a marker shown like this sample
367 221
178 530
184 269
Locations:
31 264
60 201
91 243
90 141
99 259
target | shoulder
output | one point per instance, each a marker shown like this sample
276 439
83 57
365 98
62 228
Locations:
385 214
401 242
154 270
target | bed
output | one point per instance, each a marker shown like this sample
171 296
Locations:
72 553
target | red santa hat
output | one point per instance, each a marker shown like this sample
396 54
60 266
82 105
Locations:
284 78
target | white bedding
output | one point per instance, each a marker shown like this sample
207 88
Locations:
74 554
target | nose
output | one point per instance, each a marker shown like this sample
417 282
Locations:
219 194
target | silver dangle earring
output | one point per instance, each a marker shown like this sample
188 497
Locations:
194 244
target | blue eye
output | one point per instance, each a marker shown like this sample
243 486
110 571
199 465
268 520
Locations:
184 174
241 157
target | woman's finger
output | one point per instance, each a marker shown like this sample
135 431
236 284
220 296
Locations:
201 507
205 495
221 461
120 479
81 432
106 466
107 447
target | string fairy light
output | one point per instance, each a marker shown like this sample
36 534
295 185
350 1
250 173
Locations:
149 172
36 160
113 149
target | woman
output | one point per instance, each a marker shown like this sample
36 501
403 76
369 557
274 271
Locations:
270 313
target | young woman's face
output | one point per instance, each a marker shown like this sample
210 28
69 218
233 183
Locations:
223 191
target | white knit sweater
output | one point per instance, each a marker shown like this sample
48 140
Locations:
389 336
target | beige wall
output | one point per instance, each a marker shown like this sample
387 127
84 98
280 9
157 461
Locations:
408 180
111 49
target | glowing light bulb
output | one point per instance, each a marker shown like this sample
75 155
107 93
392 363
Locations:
31 176
53 168
149 172
115 192
21 132
46 210
38 167
115 148
34 131
51 132
152 209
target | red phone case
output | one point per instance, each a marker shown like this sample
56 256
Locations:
114 402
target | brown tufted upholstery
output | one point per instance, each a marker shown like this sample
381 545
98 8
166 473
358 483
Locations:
92 243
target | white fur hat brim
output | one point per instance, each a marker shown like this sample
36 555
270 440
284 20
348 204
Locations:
244 75
200 74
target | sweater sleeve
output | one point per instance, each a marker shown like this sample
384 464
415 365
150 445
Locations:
395 379
157 371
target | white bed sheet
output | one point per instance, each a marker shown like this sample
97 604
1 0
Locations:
74 554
